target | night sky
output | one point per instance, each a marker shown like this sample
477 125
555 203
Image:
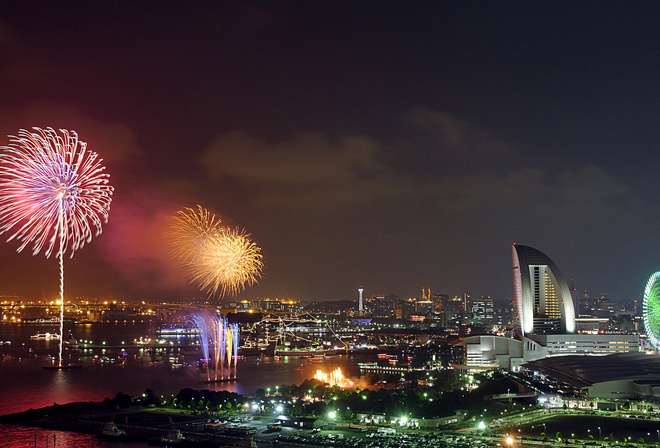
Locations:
394 145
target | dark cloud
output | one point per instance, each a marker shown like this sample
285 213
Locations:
458 140
309 170
115 142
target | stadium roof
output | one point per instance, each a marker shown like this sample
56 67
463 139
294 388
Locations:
583 370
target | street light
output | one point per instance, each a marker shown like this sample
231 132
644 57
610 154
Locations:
600 435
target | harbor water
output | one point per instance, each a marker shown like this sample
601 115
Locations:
122 366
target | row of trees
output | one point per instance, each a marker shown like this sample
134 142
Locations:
445 397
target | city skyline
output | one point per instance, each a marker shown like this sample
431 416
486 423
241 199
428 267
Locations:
398 148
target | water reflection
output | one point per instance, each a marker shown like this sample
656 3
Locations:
26 385
19 436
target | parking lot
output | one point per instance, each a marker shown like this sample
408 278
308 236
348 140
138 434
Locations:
371 439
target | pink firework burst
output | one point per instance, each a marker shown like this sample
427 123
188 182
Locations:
52 187
53 192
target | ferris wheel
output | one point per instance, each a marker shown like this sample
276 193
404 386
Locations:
651 307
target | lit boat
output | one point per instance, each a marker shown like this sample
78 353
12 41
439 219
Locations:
45 336
173 436
71 342
176 332
111 431
43 320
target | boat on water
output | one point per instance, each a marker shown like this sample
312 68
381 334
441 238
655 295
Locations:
71 342
111 431
42 320
172 437
253 350
45 337
49 321
176 332
308 352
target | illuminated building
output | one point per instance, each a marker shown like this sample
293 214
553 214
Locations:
489 352
360 305
541 294
483 311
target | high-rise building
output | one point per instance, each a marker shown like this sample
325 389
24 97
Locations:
541 294
483 311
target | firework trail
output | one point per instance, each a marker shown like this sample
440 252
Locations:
217 334
236 335
200 323
220 260
54 193
229 338
219 326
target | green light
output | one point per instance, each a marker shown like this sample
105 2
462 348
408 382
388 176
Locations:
651 309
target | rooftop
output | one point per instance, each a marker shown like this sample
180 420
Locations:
584 370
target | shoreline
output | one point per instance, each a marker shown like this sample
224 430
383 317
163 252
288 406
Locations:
147 424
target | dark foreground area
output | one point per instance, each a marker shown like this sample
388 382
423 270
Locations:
158 426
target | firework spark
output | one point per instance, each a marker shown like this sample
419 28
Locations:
222 337
220 260
228 262
189 233
45 177
53 193
333 378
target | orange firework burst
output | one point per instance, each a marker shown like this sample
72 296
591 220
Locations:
220 260
190 231
228 262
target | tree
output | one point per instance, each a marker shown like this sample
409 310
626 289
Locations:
122 400
150 397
